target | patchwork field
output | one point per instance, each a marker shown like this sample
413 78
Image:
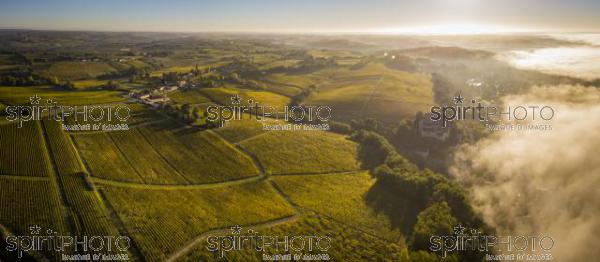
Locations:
298 152
163 221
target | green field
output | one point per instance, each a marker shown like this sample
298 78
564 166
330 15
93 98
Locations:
89 83
23 150
237 130
78 70
375 91
345 200
26 203
148 163
163 221
348 243
223 96
21 95
298 152
104 159
65 156
202 157
189 96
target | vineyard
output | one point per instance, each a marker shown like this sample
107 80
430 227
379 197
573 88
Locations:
300 152
63 151
202 157
236 131
162 221
23 152
348 243
103 158
31 202
223 97
21 95
345 203
148 163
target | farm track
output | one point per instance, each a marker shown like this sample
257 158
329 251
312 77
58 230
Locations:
225 231
373 91
24 177
108 209
118 223
94 181
243 151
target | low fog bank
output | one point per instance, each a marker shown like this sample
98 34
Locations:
542 182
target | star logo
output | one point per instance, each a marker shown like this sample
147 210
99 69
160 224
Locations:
459 229
459 99
35 229
35 99
236 230
236 100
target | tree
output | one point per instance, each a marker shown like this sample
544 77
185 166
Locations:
436 220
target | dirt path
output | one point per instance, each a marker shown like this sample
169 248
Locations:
373 91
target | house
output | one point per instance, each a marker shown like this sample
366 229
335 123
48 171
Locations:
155 100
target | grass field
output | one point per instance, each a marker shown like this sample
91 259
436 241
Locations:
162 221
202 157
78 70
20 95
23 150
345 203
287 152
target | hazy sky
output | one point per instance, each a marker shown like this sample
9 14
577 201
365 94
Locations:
299 16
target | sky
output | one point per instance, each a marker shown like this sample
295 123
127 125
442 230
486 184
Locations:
385 16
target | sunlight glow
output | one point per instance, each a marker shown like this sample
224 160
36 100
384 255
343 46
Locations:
452 29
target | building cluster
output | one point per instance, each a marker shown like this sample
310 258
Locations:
155 97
